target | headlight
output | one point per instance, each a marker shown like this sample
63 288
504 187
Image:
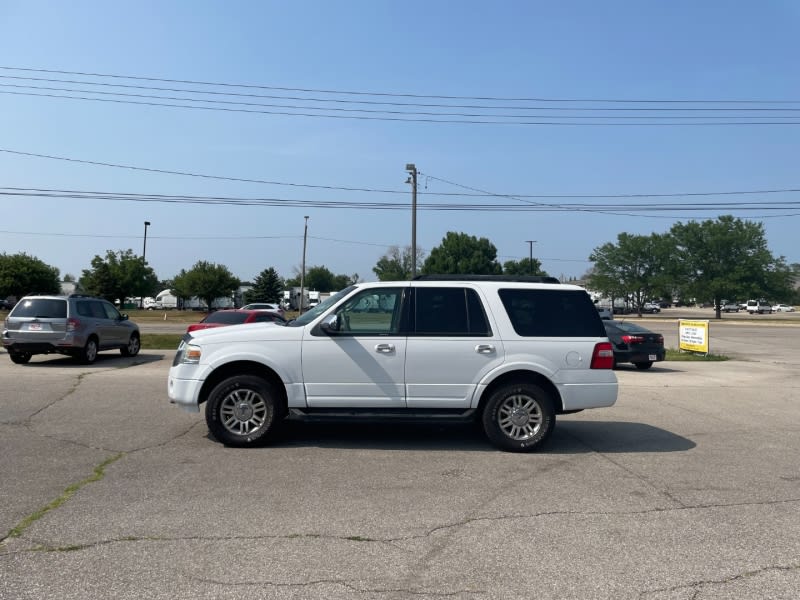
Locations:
187 354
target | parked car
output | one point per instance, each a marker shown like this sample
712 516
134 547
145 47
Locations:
651 308
509 352
759 306
77 325
7 304
730 307
605 312
222 318
277 308
782 308
635 344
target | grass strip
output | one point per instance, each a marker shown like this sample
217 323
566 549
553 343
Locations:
685 356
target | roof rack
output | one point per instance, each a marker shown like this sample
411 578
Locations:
507 278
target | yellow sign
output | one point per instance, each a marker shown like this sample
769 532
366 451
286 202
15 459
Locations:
694 336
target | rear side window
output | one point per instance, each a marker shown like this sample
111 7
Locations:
449 311
42 308
552 313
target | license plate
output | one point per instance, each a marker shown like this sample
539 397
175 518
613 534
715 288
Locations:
652 357
35 327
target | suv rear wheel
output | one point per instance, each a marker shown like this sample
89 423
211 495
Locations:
519 417
88 354
241 410
19 358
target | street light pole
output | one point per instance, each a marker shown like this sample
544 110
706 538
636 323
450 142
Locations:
530 256
412 169
144 260
303 269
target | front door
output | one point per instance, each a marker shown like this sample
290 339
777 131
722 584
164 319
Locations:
363 364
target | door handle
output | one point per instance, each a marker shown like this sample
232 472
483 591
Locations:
384 348
484 349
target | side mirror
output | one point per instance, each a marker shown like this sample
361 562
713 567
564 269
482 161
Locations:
123 317
330 324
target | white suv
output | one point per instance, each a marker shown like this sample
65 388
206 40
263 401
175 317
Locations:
511 352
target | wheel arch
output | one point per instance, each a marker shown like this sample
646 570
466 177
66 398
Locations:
244 367
522 376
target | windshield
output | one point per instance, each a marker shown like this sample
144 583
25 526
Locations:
320 308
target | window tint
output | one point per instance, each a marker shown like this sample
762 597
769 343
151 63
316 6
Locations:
265 316
111 312
42 308
371 312
449 311
98 312
83 308
552 313
226 317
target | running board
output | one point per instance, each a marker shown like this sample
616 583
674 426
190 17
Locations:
380 414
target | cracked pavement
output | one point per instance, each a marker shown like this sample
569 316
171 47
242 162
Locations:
688 488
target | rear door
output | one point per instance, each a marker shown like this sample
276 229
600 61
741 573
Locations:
451 346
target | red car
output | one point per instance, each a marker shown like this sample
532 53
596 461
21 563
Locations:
222 318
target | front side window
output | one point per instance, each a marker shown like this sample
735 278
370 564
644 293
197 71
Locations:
111 312
372 311
449 312
552 313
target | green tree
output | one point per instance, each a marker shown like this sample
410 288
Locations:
119 275
267 287
22 274
526 266
205 280
462 254
396 264
636 267
321 279
728 258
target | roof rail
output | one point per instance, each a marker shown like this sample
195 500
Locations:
507 278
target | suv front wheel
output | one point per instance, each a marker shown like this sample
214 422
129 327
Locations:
241 410
519 417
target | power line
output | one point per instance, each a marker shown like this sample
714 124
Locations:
402 192
401 119
537 107
402 206
364 111
395 94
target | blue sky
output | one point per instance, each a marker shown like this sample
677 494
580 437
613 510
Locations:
560 50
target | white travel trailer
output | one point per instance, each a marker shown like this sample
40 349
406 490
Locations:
165 300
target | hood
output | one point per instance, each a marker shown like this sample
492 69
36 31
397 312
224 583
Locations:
246 332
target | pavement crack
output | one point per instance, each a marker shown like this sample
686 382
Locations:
97 474
697 586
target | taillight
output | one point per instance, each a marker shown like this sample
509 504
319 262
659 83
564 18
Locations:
633 339
603 356
73 324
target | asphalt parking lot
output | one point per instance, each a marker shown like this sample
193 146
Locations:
688 488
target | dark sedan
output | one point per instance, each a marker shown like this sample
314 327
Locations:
634 344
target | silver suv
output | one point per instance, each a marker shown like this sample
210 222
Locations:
510 353
76 325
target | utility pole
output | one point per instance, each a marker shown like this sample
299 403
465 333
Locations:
412 169
530 256
303 271
144 263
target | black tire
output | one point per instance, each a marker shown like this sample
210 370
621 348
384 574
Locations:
644 365
88 354
133 347
242 410
519 417
20 358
